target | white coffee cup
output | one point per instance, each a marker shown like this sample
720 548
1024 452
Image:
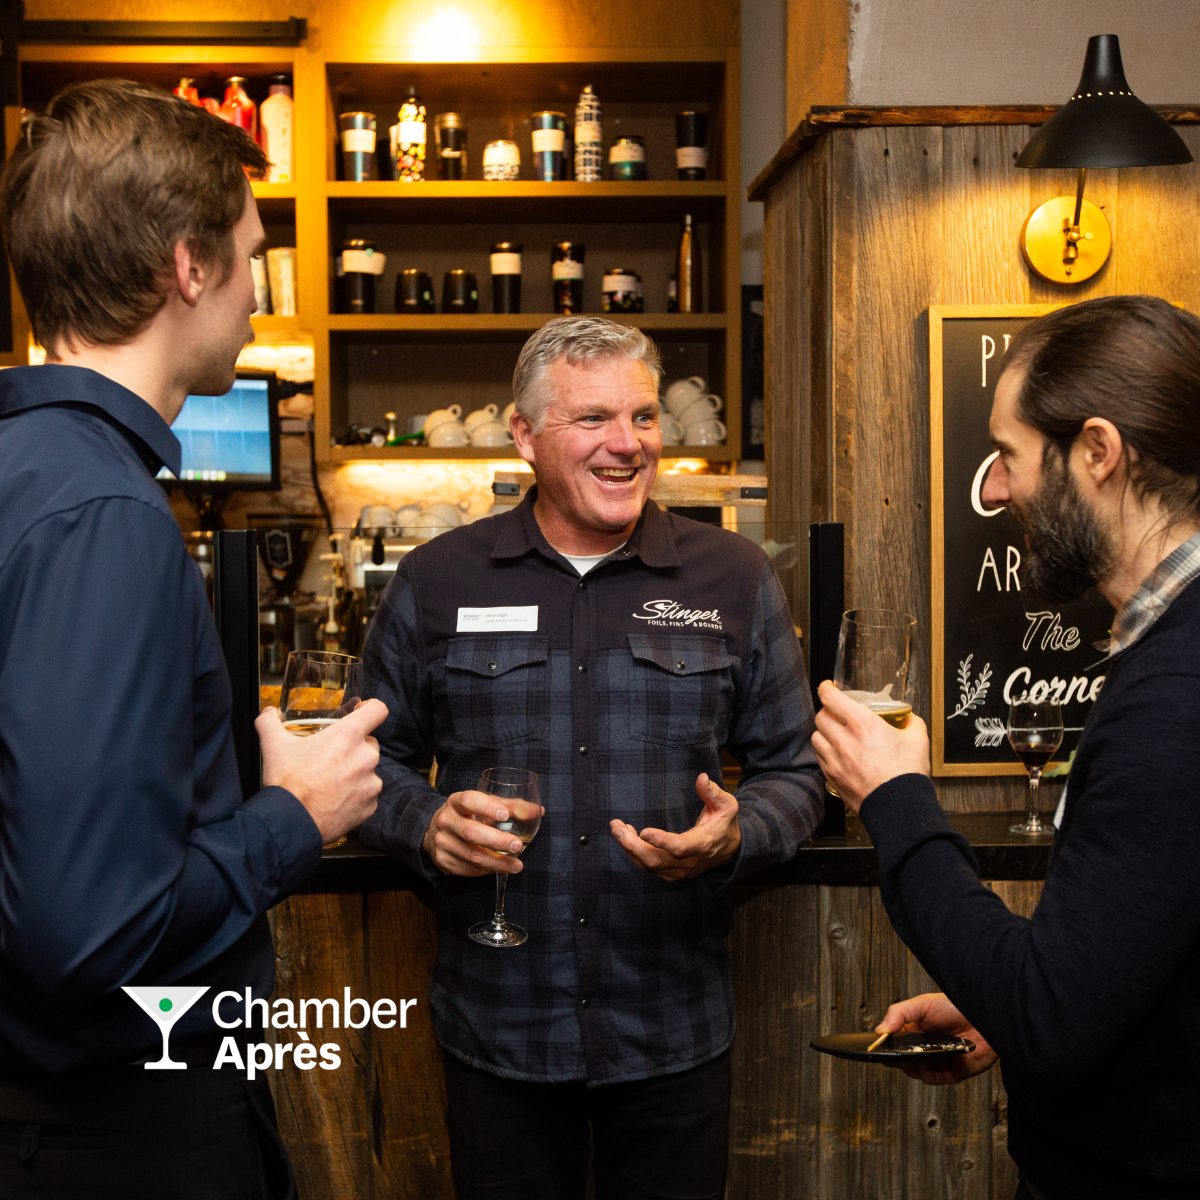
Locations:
684 392
377 516
491 433
481 416
406 518
445 513
440 416
448 433
429 525
672 431
705 433
705 408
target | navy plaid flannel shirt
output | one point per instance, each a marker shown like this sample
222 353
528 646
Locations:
634 679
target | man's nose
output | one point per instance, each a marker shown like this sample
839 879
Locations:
995 493
622 438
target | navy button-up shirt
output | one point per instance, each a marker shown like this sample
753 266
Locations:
127 852
623 688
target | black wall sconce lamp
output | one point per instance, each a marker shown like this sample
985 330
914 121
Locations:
1067 240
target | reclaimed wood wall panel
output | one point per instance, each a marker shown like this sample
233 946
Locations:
775 1124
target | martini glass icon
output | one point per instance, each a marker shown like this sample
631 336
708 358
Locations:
164 1006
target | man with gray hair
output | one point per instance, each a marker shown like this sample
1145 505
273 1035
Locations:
612 649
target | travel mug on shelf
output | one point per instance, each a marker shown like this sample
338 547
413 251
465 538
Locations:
414 291
460 293
506 277
358 146
691 145
566 274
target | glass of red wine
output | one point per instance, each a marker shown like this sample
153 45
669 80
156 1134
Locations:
1035 732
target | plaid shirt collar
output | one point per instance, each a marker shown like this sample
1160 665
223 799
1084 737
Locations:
1152 599
650 540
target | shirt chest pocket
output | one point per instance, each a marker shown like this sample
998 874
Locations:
498 687
681 688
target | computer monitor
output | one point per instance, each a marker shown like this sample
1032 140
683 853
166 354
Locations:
230 443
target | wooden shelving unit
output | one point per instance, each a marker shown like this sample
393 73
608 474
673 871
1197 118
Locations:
407 364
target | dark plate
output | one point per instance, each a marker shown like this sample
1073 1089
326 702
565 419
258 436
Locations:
900 1047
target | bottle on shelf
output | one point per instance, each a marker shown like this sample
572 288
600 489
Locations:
589 138
393 438
408 139
187 89
501 161
691 145
358 146
627 158
673 294
549 146
688 271
275 122
506 276
238 109
566 274
450 140
621 291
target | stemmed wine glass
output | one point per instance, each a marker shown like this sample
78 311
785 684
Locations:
319 687
1035 732
518 789
874 662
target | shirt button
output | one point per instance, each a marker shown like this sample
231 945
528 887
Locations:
583 839
680 664
583 585
492 666
582 749
582 669
584 1002
583 922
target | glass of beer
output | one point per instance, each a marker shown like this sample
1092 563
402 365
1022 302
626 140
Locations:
319 687
874 662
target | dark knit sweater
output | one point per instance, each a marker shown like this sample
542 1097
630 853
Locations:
1093 1004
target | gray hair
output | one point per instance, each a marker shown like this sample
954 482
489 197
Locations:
579 340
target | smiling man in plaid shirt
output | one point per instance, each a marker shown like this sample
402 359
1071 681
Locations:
614 650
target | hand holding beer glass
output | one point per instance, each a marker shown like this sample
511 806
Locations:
874 663
319 687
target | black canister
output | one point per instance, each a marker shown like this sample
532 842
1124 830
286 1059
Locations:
450 138
566 273
357 283
549 146
691 145
506 277
627 158
460 293
358 146
414 292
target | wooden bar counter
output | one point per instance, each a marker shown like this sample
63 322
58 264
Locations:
812 952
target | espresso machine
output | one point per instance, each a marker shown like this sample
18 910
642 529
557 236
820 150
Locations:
289 620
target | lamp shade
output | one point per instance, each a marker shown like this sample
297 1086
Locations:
1104 124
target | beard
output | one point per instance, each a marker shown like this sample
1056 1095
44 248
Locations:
1068 551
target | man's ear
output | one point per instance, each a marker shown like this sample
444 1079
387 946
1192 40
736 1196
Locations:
1102 449
190 277
522 432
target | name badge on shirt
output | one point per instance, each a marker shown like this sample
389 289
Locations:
519 619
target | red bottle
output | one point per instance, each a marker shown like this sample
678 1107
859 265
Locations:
188 91
238 108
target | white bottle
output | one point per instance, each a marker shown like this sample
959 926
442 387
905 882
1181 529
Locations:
275 124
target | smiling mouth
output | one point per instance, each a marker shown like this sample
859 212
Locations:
615 474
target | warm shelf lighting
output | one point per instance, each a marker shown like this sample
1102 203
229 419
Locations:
1068 239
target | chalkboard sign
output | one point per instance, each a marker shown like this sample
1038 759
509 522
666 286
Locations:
991 641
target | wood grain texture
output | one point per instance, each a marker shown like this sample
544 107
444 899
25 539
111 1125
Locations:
862 971
818 44
775 1124
323 1115
410 1138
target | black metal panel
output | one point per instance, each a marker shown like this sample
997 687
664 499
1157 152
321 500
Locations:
235 608
826 603
168 33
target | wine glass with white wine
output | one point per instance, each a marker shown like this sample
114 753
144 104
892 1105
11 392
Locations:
319 687
517 789
1035 732
874 662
